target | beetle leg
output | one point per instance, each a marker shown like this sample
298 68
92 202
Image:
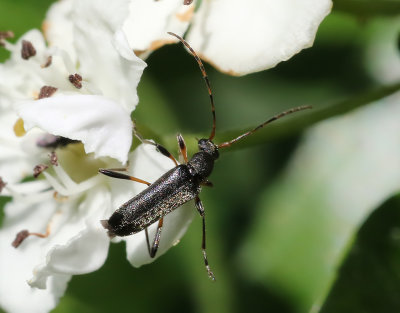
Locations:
182 147
156 241
200 209
122 176
146 231
159 147
165 152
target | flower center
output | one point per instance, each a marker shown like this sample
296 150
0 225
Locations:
78 165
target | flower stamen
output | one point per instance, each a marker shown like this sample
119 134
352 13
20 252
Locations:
23 234
28 50
19 129
64 178
53 158
19 238
5 35
38 169
47 91
76 80
59 198
48 62
55 184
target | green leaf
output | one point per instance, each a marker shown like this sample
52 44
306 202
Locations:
369 279
343 170
299 121
368 8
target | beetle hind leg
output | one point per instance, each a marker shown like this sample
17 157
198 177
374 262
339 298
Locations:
156 242
200 209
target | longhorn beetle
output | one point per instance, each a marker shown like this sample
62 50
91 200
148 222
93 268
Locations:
177 186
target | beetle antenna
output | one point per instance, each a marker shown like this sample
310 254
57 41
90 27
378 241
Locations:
274 118
205 77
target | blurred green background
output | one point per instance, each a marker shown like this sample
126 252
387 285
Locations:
173 99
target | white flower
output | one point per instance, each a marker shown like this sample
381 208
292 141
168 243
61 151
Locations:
68 200
77 88
70 206
238 37
82 86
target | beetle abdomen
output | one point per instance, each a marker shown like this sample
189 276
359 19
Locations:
169 192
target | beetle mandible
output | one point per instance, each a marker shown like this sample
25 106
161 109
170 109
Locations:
177 186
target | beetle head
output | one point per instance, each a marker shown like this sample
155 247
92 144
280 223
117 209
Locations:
206 145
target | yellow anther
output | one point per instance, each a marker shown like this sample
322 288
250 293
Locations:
19 129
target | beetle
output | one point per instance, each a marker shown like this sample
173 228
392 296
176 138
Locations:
178 185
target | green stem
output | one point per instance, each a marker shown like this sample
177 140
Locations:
368 8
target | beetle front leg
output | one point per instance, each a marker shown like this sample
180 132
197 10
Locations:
114 174
182 147
200 209
159 147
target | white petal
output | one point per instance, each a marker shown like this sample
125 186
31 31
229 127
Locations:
103 126
241 37
101 64
80 245
14 164
16 264
36 38
149 21
148 164
131 68
58 26
20 79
